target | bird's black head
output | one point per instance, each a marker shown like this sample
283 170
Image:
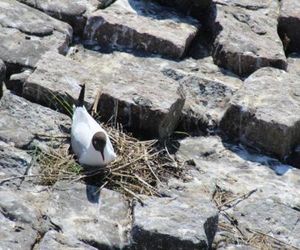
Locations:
99 142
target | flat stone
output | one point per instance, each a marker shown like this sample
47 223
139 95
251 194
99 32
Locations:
51 84
294 64
141 26
27 33
16 236
69 11
265 112
246 36
168 223
101 221
24 124
289 25
243 184
54 240
208 91
145 100
13 162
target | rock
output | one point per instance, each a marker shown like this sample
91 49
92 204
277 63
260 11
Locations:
61 83
16 236
189 7
69 11
289 23
55 240
208 91
168 223
13 162
294 64
2 71
101 221
16 81
102 4
264 113
242 184
246 36
145 101
26 34
24 124
162 31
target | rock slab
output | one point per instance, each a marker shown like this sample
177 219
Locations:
169 223
141 26
265 112
246 37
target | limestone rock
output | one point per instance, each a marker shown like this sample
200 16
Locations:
13 162
265 112
58 241
50 82
101 220
289 25
143 99
224 172
23 124
26 34
246 36
69 11
294 64
169 223
141 26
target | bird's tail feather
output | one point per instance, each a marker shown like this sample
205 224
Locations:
80 101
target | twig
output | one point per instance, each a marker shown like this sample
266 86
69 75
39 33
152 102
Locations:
243 197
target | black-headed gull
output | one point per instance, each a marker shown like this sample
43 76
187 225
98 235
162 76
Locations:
89 140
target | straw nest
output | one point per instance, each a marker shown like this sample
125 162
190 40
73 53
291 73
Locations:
139 167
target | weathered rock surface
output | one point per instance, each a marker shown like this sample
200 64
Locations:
246 36
141 26
169 223
54 240
2 71
289 25
13 162
294 64
252 191
208 91
24 124
69 11
100 220
51 84
265 113
26 33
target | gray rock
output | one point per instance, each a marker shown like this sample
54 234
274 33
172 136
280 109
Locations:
27 33
15 235
265 112
246 36
16 81
13 162
289 23
24 124
294 64
134 25
208 91
144 100
69 11
2 71
248 184
180 223
61 83
54 240
101 221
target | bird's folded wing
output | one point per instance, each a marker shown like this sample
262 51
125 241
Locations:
81 137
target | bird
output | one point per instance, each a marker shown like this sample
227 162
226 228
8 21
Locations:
89 141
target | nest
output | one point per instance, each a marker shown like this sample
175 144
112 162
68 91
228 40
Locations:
139 167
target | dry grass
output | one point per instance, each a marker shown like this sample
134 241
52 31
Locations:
139 167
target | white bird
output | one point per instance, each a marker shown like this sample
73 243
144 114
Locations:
89 140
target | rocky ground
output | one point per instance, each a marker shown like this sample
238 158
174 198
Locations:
226 72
